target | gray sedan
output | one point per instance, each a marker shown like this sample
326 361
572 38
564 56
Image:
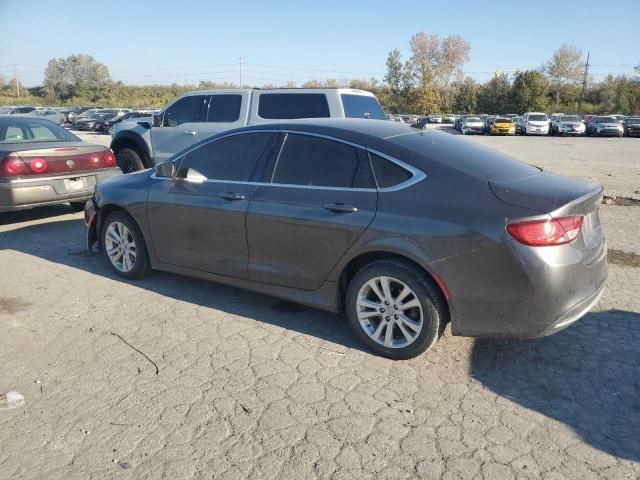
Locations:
404 230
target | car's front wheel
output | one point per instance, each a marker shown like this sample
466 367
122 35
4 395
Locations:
124 247
395 309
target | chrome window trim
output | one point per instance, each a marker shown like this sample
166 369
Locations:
417 174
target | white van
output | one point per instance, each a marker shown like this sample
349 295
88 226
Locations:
534 123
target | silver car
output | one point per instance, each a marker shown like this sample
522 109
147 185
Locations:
605 126
567 125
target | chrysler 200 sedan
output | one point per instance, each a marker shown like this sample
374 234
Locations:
404 230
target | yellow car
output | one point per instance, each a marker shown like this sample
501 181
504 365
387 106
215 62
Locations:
503 126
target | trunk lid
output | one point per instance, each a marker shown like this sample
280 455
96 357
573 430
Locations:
64 157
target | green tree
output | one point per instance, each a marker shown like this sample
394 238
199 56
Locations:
564 69
465 96
530 92
77 76
495 96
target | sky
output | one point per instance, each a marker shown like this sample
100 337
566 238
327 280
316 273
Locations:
161 42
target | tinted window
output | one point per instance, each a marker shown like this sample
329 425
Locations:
224 108
18 130
232 158
187 109
537 118
293 105
362 106
569 118
388 173
307 160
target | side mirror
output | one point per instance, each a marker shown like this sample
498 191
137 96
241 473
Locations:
157 119
165 169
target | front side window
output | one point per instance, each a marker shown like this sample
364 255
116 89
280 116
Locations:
224 108
293 105
312 161
387 173
186 110
362 106
233 158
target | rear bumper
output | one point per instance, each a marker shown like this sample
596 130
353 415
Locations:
27 193
512 290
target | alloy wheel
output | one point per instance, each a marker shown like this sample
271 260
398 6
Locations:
120 246
389 312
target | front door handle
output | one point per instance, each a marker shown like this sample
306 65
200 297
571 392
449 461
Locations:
232 196
189 132
340 207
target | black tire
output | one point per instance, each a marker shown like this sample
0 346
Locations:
129 160
142 265
432 302
78 206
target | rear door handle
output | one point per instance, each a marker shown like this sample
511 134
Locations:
340 207
232 196
189 132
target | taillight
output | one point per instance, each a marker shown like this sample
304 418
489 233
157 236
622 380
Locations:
95 160
38 165
539 233
109 159
11 166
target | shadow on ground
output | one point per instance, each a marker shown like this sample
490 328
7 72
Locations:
62 241
587 377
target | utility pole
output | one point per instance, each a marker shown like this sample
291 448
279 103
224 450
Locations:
584 84
240 73
15 76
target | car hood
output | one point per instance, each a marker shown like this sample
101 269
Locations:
503 125
609 125
474 124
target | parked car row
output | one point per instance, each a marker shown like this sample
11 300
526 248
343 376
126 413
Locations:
538 123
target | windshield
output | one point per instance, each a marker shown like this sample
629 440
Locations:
569 118
5 110
633 121
30 130
503 120
537 118
472 119
607 120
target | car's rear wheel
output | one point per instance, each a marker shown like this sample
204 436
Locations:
129 160
124 247
395 309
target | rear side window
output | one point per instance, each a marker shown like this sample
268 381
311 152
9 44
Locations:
313 161
232 158
293 105
186 110
387 173
224 108
362 106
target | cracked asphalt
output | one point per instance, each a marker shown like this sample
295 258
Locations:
248 386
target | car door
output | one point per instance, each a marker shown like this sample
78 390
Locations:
223 111
197 217
179 130
320 198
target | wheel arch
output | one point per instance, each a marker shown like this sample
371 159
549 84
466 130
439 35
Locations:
361 260
128 140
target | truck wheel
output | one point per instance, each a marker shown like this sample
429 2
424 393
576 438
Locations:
129 160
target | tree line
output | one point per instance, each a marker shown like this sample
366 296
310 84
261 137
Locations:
430 80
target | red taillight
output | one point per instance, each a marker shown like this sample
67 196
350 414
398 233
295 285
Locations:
109 159
38 165
95 161
11 166
539 233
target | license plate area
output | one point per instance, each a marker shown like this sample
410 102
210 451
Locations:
74 184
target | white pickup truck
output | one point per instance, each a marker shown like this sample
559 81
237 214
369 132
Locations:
201 114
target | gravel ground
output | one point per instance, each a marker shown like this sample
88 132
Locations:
174 378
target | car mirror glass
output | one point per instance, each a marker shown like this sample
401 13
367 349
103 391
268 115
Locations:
165 170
